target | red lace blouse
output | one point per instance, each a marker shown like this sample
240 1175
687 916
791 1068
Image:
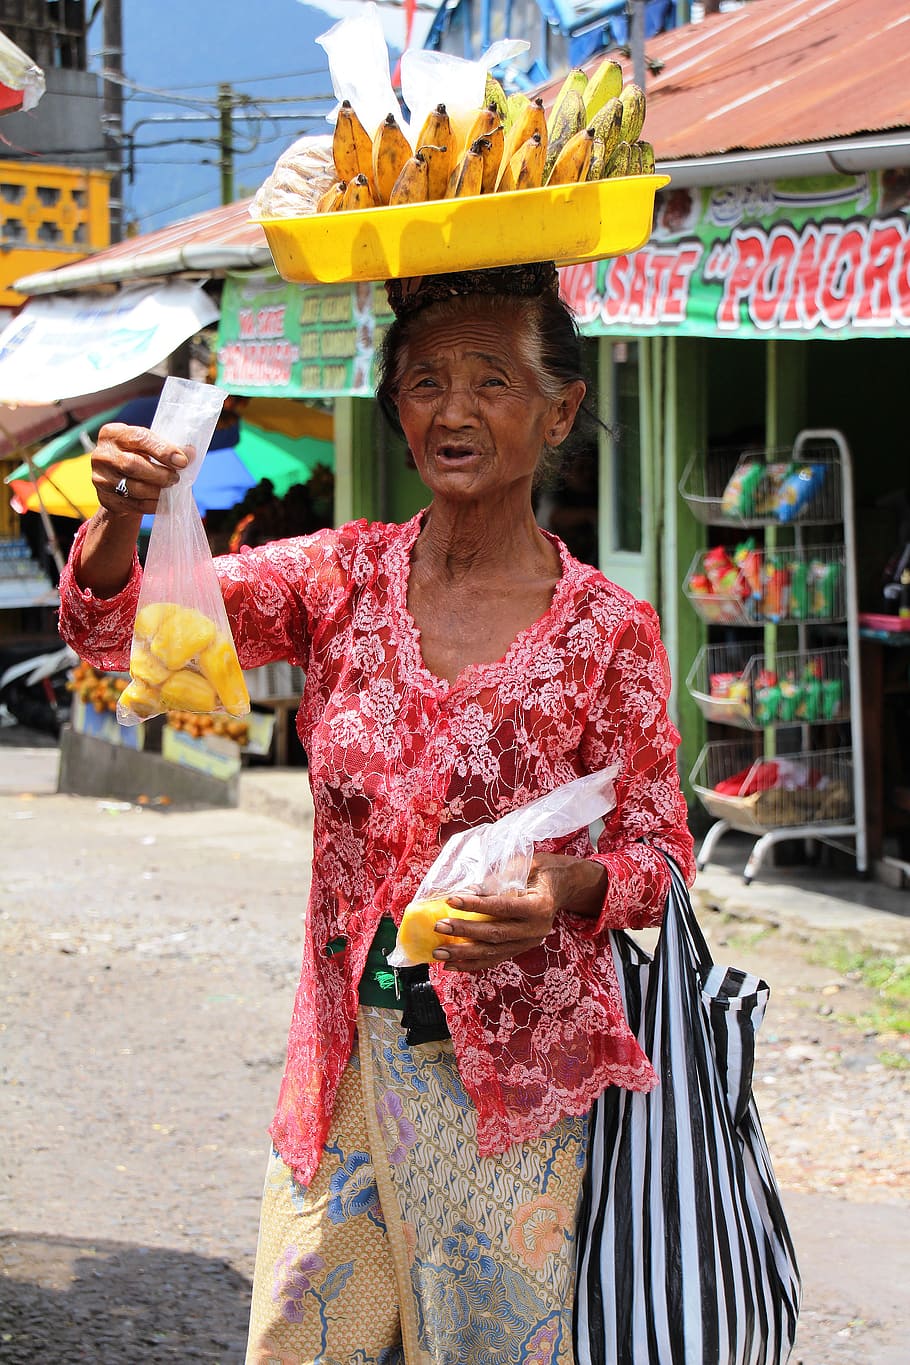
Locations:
399 758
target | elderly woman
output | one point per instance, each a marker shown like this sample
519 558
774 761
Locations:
420 1201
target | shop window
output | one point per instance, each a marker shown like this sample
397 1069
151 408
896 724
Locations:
50 233
12 194
48 196
14 230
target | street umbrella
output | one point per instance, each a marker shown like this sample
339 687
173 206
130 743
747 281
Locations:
240 456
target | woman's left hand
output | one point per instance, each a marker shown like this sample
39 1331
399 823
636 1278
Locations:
520 921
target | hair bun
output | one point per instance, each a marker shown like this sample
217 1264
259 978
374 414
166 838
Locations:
410 295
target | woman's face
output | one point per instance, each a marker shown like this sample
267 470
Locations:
471 407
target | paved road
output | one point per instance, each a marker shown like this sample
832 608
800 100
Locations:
149 961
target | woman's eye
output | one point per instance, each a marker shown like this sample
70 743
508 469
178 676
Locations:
493 381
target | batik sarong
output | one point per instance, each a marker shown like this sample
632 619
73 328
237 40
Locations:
408 1247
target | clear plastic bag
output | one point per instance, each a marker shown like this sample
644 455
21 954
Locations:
182 656
495 858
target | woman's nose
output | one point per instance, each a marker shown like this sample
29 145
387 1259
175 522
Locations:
457 405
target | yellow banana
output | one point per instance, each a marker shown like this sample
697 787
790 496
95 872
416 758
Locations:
391 150
332 199
567 117
351 145
605 84
619 162
491 148
647 158
468 176
527 165
439 168
530 119
607 125
633 112
571 166
412 185
482 124
358 195
437 129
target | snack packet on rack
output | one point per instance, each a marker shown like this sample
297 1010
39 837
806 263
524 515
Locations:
182 656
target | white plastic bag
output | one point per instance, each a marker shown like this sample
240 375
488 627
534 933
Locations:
359 67
182 656
493 858
431 78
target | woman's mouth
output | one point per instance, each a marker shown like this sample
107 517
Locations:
452 454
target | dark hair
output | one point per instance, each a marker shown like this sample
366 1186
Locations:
551 334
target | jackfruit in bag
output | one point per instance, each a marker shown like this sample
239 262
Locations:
182 656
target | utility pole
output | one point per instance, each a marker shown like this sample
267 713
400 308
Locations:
226 141
637 40
112 110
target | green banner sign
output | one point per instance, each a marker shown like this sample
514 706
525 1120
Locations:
821 257
299 341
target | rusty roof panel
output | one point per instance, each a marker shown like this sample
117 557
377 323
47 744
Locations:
777 73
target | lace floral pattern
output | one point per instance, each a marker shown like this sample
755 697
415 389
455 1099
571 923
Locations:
400 759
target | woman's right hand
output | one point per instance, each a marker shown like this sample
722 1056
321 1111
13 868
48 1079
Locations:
137 461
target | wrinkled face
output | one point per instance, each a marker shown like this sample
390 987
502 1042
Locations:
471 406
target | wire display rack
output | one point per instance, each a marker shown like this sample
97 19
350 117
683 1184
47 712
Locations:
735 685
778 797
749 586
760 487
786 784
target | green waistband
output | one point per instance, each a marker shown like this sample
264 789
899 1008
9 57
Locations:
377 985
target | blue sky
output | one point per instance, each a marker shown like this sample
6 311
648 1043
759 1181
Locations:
183 49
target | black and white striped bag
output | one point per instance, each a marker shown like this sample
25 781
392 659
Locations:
684 1257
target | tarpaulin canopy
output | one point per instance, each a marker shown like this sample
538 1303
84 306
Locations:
62 347
21 80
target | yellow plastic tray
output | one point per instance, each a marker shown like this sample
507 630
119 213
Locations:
565 223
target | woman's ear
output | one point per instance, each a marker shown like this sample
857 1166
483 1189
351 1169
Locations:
565 410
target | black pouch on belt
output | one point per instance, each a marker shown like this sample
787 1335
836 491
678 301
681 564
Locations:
422 1016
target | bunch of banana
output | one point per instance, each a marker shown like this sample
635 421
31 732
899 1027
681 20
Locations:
593 132
181 661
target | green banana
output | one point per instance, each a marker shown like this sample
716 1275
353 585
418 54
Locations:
494 94
619 162
633 115
607 124
605 84
635 158
514 106
576 80
647 158
567 117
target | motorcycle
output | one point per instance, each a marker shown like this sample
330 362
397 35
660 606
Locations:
33 692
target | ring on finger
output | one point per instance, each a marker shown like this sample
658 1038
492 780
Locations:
122 489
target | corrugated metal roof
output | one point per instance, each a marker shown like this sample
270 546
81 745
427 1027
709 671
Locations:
776 73
209 243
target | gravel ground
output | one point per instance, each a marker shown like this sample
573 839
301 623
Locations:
149 963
